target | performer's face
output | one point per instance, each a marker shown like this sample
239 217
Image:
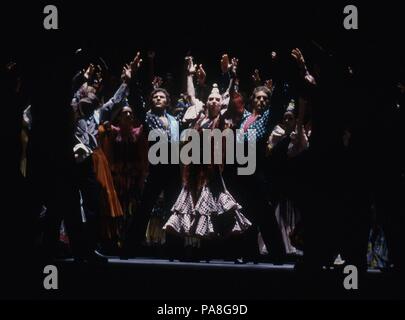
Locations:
126 116
289 121
159 100
260 101
214 104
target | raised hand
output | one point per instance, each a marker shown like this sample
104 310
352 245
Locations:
136 63
130 69
201 75
229 66
256 78
191 67
126 74
299 58
234 67
225 64
310 79
157 82
269 84
89 72
191 70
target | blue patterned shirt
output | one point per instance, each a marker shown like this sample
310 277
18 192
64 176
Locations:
261 125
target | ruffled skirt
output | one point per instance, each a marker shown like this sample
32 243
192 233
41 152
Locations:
209 217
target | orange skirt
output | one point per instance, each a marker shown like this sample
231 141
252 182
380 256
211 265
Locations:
112 204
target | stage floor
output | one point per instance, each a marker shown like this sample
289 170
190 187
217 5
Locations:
159 279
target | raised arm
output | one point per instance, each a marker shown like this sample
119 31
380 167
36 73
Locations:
82 77
201 87
308 83
299 58
191 70
256 79
299 139
91 77
135 98
228 81
27 117
233 72
227 67
77 81
118 97
151 66
196 106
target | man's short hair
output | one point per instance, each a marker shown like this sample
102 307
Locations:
160 90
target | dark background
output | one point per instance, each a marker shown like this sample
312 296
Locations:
249 30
